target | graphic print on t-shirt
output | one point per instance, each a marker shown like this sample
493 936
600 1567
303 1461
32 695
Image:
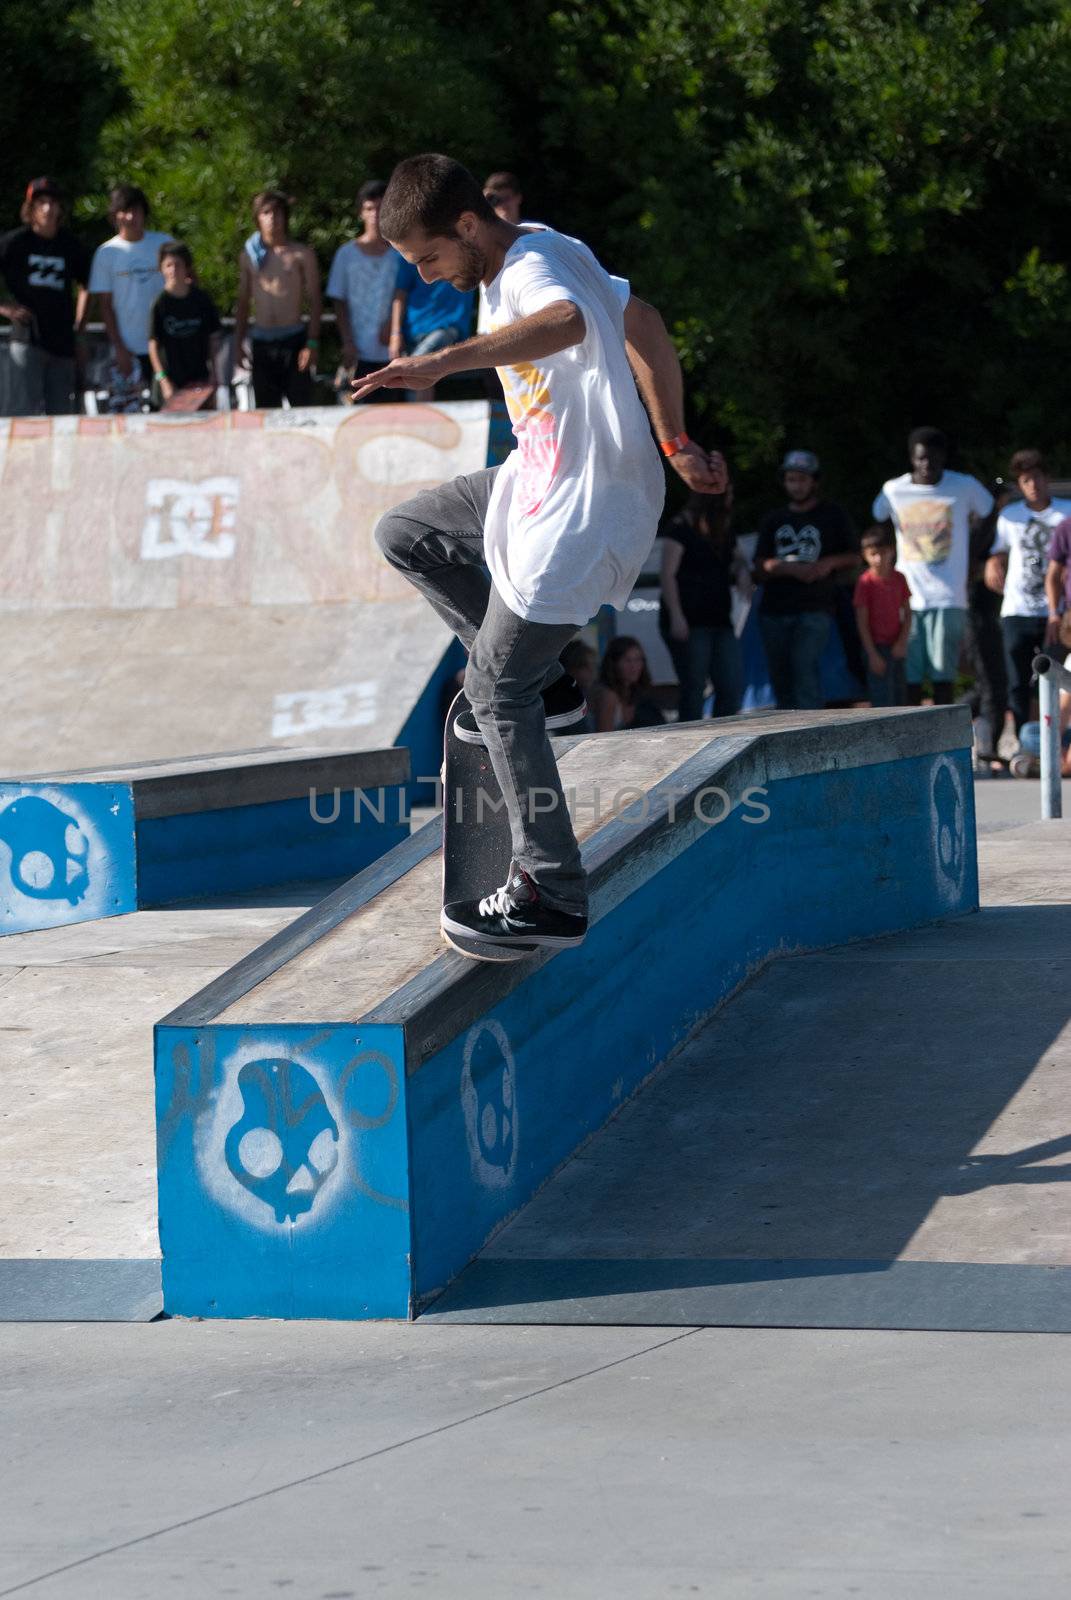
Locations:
1037 536
926 530
528 403
46 272
797 544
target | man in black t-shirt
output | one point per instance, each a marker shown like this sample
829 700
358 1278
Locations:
800 548
40 263
184 325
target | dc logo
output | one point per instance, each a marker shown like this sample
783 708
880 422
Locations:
489 1103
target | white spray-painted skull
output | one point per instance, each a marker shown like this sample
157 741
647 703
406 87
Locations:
284 1146
49 851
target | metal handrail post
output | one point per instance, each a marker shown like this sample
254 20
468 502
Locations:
1051 679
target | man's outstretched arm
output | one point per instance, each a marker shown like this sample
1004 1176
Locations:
657 370
532 338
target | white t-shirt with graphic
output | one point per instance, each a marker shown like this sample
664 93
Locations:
366 283
129 272
575 507
1026 536
932 522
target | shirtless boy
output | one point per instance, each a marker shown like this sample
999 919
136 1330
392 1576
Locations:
515 558
280 277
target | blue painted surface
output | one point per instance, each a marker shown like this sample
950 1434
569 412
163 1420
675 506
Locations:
66 854
282 1171
252 847
844 855
422 733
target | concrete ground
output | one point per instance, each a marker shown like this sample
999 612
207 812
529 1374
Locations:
353 1460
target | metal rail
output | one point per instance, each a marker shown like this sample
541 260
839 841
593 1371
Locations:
1052 678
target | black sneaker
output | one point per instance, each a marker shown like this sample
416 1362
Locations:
513 916
563 704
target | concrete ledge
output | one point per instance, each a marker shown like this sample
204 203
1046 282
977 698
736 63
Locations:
345 1120
101 842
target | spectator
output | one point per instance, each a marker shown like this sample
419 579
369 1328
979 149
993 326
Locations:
361 285
799 550
1017 567
699 563
126 279
1058 588
983 642
184 326
40 262
883 613
581 662
426 317
502 191
932 510
278 277
624 697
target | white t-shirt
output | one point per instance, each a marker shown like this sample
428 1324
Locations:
366 283
1026 536
128 271
575 507
932 522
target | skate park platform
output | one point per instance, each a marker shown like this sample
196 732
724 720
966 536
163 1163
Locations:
182 586
346 1117
104 842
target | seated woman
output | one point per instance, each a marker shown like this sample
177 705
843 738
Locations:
624 693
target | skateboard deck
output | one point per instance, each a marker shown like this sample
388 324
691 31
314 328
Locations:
191 397
477 846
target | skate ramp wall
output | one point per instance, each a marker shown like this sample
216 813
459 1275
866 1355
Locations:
347 1116
182 586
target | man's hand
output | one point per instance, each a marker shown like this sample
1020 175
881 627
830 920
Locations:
703 473
349 355
16 313
306 361
407 372
678 629
167 389
823 568
396 346
124 360
1052 633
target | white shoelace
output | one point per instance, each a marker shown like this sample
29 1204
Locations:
497 904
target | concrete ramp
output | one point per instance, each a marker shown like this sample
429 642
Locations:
348 1115
180 586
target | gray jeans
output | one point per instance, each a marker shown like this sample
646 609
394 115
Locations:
436 540
41 384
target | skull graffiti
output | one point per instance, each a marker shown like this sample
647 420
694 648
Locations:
487 1093
284 1146
49 851
946 802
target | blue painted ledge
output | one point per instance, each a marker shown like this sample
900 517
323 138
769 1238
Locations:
83 845
347 1117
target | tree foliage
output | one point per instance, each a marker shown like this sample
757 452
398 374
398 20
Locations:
853 213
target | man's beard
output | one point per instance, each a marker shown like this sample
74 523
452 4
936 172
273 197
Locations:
473 267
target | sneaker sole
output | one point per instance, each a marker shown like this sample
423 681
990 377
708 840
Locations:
563 719
524 943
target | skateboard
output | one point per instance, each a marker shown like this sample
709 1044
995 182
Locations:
477 846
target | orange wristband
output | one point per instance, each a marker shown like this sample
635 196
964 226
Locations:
672 447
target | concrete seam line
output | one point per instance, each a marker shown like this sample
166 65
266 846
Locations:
341 1466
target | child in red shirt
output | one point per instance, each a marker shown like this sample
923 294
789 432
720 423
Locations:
883 612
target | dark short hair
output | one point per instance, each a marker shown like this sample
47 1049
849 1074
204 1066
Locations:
1026 461
374 189
175 247
932 438
427 194
272 197
125 195
879 537
502 180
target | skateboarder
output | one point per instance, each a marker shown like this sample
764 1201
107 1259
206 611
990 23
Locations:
562 527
